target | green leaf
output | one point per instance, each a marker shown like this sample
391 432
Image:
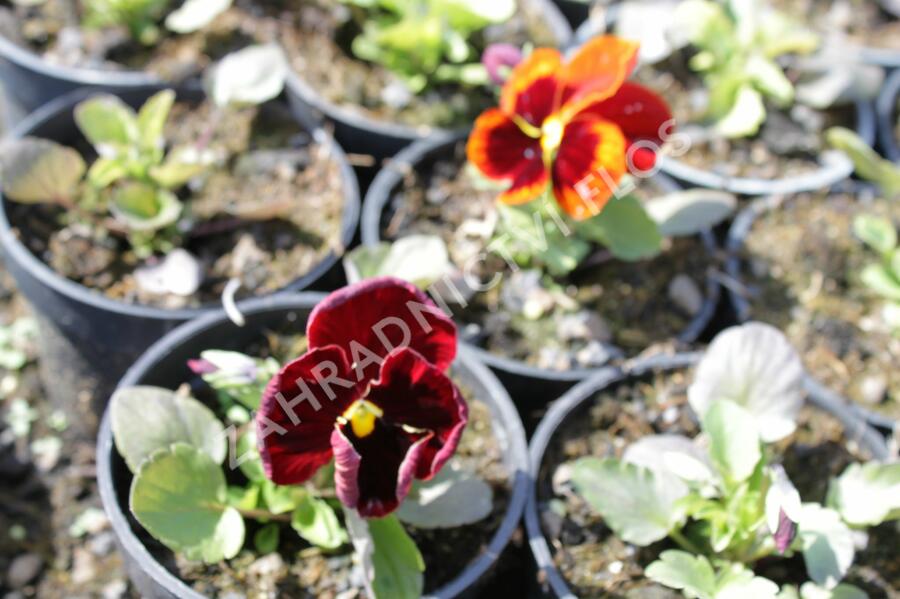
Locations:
281 499
866 494
635 503
736 581
746 114
769 79
419 259
827 542
194 15
145 419
106 171
243 498
151 120
396 560
691 211
680 570
868 164
106 120
876 232
180 166
625 228
315 520
734 444
142 207
266 538
810 590
248 454
879 279
454 497
179 496
36 170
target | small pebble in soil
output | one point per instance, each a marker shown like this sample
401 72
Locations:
584 325
685 294
24 569
873 388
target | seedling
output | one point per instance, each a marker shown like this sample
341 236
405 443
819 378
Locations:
141 17
723 498
882 277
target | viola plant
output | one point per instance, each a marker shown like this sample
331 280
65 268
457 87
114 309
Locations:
141 18
351 439
723 498
135 188
883 276
427 42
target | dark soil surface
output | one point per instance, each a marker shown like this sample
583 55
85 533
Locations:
802 265
597 564
627 304
317 38
268 215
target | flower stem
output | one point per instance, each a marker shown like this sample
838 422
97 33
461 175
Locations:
684 542
264 515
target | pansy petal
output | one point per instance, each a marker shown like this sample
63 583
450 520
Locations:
528 184
371 318
596 72
374 473
531 90
639 112
588 166
498 147
298 411
414 393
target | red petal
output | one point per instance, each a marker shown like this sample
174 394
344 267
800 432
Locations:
371 318
639 112
588 166
374 473
293 434
498 147
596 72
531 90
414 393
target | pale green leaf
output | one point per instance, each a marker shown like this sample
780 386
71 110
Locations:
194 15
866 494
145 419
877 232
106 171
635 503
868 164
419 259
746 114
179 496
248 456
36 170
315 520
811 590
827 542
736 581
882 281
266 538
105 120
253 75
142 207
151 119
396 560
691 211
680 570
625 228
281 499
769 79
734 443
454 497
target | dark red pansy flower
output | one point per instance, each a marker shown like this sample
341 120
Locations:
371 392
572 125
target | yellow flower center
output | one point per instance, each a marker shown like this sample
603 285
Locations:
361 415
551 135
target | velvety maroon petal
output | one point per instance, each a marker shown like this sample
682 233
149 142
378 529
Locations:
371 318
298 411
374 473
414 393
639 113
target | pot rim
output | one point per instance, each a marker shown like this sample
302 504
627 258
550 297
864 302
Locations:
886 108
737 234
506 416
563 407
834 166
299 87
15 250
391 175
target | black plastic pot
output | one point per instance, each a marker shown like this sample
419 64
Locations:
887 116
569 403
737 235
531 387
31 81
361 134
87 340
834 166
165 365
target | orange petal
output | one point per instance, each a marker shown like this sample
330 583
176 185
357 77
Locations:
588 166
532 88
596 72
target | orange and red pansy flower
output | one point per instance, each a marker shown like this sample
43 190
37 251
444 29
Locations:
572 124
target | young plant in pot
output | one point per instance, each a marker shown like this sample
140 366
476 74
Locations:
50 47
714 483
167 218
754 86
377 461
388 73
553 257
834 294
